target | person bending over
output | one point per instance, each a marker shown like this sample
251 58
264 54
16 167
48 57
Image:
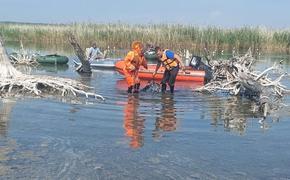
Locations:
172 63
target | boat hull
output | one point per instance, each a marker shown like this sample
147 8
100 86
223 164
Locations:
188 75
52 59
101 64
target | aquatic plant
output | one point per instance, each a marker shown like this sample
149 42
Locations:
174 36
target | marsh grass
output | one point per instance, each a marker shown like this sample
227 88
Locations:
166 35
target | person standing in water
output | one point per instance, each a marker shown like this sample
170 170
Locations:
133 61
172 63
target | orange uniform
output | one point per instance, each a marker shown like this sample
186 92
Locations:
133 61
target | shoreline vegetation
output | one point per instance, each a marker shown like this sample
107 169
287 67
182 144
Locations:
173 36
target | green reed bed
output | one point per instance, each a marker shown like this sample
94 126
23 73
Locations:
166 35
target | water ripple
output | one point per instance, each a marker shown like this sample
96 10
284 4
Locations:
177 136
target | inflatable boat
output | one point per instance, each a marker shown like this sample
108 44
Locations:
189 74
51 59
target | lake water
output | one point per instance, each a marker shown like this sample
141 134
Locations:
185 136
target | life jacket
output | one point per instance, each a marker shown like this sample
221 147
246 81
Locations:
167 62
133 59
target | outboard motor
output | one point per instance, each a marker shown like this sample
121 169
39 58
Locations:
150 53
196 63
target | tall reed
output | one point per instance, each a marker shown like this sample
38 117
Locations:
173 36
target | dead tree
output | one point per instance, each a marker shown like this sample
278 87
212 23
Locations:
237 77
23 57
14 83
85 67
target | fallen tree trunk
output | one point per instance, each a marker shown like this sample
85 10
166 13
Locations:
13 82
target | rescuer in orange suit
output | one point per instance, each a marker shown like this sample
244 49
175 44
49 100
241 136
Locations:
133 61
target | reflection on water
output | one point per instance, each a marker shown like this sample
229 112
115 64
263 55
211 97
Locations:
6 107
166 120
8 146
133 122
85 78
180 136
233 112
236 113
53 67
47 68
235 116
26 69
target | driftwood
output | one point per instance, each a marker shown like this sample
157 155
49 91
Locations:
23 57
237 77
85 67
13 82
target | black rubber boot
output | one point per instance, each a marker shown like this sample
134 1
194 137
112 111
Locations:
172 89
136 87
130 88
163 88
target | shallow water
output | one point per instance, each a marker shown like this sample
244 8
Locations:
185 136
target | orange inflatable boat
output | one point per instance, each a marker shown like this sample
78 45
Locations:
121 84
188 75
